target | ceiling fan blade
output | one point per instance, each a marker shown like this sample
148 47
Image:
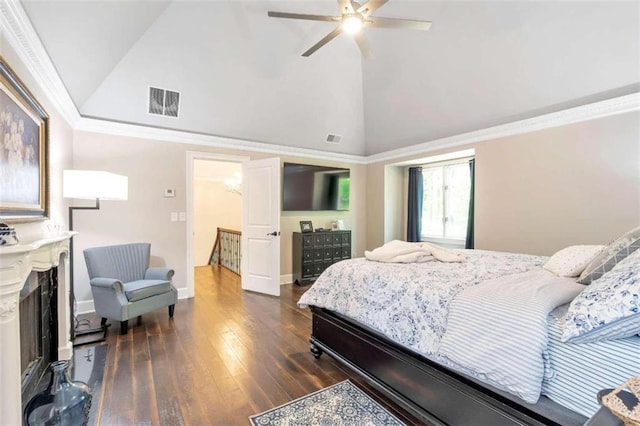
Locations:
333 34
398 23
303 16
362 45
371 6
346 7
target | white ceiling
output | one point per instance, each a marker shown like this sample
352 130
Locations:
241 75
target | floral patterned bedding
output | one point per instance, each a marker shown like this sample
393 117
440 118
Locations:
409 303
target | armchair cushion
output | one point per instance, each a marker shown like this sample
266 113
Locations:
141 289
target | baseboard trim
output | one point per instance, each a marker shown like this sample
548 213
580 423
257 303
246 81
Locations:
183 293
286 279
85 307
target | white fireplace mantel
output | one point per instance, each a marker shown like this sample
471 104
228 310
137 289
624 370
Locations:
16 263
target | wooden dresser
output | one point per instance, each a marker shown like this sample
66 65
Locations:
313 252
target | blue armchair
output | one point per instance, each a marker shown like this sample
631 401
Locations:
123 285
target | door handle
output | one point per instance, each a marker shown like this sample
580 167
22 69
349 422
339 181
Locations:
273 234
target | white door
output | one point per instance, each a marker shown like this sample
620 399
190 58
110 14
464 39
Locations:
261 226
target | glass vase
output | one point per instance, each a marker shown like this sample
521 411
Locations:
64 402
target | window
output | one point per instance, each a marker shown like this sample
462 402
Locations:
445 206
343 193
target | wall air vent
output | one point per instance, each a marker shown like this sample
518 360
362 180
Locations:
164 102
332 138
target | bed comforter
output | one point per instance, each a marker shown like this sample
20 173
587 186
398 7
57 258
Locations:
411 303
497 330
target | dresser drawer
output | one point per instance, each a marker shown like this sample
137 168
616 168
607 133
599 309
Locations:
307 255
307 240
328 253
346 237
307 270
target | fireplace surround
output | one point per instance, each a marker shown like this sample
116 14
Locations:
16 263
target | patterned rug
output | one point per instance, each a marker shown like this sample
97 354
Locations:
342 404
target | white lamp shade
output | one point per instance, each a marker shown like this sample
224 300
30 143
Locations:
92 184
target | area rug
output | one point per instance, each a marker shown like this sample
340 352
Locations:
342 404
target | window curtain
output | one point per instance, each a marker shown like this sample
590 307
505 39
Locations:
469 242
414 215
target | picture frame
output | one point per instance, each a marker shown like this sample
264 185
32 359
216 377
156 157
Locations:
24 151
306 226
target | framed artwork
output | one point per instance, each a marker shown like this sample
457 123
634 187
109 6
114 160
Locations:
24 164
306 226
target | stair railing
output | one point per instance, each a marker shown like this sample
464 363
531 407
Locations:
226 250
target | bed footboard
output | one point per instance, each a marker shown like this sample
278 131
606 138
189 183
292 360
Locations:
424 388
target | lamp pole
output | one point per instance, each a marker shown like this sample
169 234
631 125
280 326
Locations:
71 291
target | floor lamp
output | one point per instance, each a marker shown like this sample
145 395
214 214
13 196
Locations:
90 185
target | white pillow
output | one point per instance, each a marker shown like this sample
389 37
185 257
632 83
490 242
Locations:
572 260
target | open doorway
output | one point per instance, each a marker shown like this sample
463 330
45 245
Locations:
214 201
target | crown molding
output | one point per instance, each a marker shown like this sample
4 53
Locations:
614 106
25 41
189 138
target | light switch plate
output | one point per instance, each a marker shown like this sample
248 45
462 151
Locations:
174 216
182 216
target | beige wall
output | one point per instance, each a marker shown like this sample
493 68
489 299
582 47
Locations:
545 190
152 166
394 202
60 153
213 206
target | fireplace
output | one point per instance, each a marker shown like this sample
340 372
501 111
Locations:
38 329
48 255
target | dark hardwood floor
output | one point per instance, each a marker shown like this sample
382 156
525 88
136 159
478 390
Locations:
226 354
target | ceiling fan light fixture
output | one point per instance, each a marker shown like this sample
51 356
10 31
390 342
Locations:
352 24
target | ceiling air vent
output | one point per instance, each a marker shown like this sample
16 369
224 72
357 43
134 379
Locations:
331 138
164 102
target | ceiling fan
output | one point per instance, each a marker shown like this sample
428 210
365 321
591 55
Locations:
354 17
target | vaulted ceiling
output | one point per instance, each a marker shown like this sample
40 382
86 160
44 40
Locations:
241 74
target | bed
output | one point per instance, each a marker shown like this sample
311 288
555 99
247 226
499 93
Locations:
379 320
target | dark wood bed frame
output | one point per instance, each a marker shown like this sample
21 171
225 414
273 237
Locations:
426 389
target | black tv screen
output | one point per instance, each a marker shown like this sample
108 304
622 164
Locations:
307 187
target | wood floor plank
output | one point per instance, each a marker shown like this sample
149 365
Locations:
227 354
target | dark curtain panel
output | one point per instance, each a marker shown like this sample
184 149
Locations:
469 242
414 219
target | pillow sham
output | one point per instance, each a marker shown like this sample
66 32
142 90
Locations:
609 257
609 308
572 260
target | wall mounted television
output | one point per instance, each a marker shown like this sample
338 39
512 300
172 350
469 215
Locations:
306 187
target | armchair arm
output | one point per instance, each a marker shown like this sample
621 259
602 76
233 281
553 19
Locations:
109 299
107 283
159 274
